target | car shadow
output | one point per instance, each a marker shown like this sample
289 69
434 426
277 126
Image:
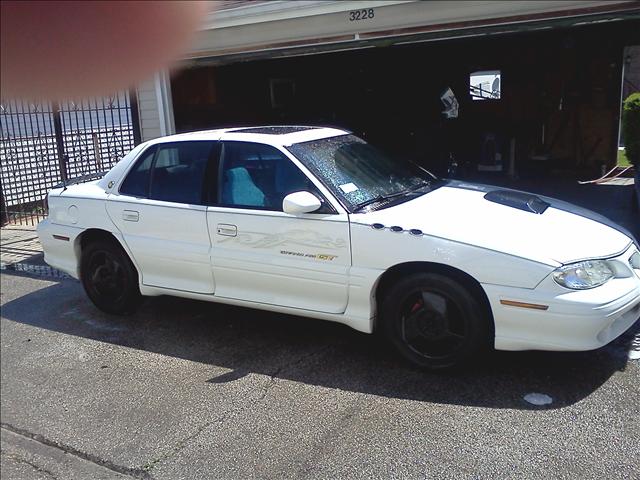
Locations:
314 352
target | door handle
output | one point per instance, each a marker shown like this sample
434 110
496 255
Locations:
227 230
130 216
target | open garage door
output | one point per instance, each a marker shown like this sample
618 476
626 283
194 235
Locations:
535 96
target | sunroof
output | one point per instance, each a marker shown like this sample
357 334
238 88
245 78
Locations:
273 130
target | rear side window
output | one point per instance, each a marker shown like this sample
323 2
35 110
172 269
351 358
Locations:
175 173
137 182
178 173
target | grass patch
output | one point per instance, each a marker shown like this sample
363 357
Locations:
623 161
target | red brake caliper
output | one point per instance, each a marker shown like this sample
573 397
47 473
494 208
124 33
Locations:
416 306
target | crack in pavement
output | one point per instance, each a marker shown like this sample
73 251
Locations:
131 472
35 466
272 378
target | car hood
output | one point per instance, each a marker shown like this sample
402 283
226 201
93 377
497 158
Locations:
562 233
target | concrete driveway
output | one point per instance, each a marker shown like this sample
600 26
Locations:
194 390
190 390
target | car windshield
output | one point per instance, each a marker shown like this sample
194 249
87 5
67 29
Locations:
360 174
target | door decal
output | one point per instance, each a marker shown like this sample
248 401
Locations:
303 238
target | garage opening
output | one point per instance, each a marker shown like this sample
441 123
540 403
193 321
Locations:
530 105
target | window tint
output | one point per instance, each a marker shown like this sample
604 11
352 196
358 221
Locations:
167 157
137 180
179 169
254 175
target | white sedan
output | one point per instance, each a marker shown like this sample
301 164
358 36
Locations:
316 222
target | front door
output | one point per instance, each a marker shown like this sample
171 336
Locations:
260 253
161 213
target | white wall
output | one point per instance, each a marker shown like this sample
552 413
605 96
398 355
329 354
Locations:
155 107
148 113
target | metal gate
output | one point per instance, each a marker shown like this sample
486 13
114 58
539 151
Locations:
46 143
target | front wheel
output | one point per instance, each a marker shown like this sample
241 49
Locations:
109 278
434 321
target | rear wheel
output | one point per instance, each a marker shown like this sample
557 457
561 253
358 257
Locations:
435 321
109 278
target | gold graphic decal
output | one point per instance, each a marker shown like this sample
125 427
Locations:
321 256
316 256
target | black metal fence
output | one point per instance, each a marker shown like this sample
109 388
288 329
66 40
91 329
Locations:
43 144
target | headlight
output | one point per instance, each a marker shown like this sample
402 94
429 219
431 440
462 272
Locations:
583 275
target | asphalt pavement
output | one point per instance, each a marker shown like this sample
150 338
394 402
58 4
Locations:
192 390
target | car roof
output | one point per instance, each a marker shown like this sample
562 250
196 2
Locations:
278 135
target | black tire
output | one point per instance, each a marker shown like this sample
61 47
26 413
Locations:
434 321
109 277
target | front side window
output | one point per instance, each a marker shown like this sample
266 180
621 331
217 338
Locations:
359 174
255 175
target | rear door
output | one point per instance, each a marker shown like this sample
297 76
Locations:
260 253
160 211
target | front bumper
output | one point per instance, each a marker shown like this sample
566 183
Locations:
574 321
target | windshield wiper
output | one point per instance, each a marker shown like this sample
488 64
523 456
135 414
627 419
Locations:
366 203
384 198
422 184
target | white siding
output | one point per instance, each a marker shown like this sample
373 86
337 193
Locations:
148 111
257 26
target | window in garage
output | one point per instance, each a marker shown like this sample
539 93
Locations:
485 85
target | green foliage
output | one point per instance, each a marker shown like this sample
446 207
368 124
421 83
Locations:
623 161
631 127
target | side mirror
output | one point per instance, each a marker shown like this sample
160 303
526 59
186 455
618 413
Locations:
300 202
